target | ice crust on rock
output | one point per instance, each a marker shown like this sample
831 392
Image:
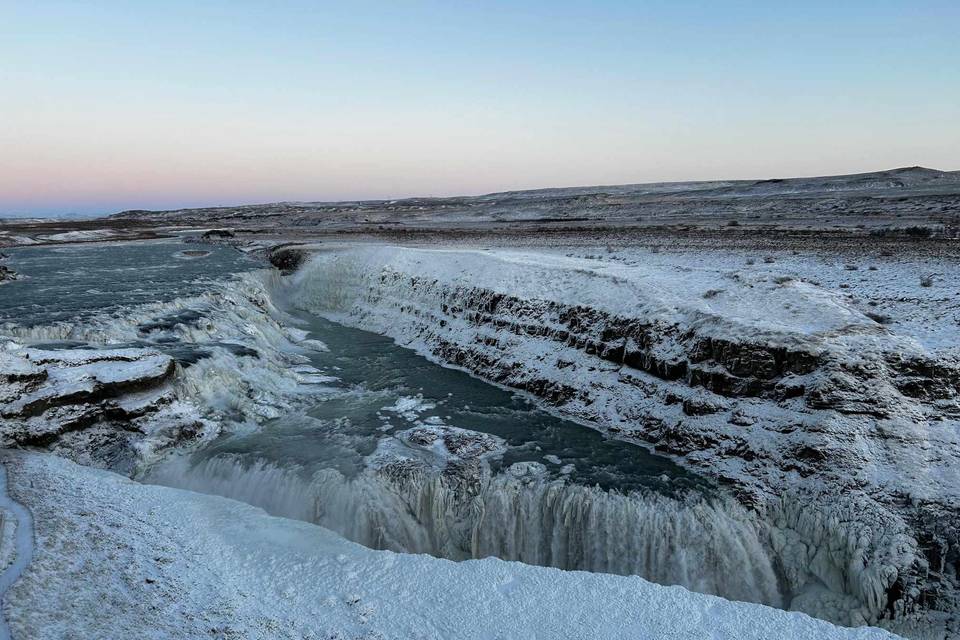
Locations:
839 433
47 394
453 442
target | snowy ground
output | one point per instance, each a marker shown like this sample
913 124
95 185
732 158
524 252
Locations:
117 559
911 295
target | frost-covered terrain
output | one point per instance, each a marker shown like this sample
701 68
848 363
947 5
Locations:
745 389
124 390
115 558
895 198
913 201
840 430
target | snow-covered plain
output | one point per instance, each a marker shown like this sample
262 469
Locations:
118 559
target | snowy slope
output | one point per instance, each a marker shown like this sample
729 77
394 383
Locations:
117 559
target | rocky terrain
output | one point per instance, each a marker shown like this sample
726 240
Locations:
6 273
113 389
842 432
907 203
899 197
90 404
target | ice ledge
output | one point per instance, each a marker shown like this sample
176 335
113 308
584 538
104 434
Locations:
115 558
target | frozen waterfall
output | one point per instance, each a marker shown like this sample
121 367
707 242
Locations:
706 545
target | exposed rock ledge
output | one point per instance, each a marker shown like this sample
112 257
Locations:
842 436
89 402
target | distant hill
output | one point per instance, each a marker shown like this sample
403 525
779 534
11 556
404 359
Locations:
913 202
912 180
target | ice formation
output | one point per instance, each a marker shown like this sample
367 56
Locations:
163 374
117 558
461 512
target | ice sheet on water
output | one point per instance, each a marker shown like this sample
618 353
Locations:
410 407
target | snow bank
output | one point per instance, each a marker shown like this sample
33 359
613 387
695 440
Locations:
7 239
16 545
115 558
79 236
460 512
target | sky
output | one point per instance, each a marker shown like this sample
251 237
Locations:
106 106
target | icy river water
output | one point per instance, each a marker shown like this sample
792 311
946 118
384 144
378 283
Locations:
386 447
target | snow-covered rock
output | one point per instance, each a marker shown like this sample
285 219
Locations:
38 382
89 402
454 442
78 236
226 358
7 239
843 435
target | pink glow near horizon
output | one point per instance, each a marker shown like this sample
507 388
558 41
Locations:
199 104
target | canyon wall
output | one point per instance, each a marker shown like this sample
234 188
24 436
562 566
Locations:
839 434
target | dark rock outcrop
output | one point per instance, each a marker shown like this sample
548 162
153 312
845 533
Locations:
287 258
7 274
215 234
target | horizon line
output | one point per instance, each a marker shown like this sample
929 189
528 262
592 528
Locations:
76 215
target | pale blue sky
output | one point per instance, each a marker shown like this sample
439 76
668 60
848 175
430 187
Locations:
113 105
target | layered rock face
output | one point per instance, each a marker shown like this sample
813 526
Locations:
114 390
88 402
841 435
